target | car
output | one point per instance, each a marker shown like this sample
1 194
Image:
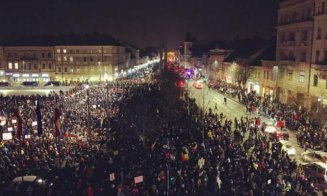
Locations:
314 156
28 185
286 146
274 133
198 85
4 84
32 83
317 170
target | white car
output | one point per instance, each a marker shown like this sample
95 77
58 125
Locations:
290 150
314 156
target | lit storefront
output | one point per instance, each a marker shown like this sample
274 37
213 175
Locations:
253 86
26 77
45 77
16 77
35 77
2 76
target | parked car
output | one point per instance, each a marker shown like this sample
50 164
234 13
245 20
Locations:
314 156
198 85
275 134
290 150
317 170
33 83
28 185
4 84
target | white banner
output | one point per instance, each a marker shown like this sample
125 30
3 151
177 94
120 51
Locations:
6 136
34 123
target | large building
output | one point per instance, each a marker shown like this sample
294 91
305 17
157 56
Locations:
293 52
318 84
92 63
66 59
28 63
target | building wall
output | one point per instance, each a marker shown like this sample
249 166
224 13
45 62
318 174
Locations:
28 63
61 63
2 65
293 52
318 83
92 63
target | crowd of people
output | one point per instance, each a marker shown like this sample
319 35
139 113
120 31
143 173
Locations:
310 133
125 139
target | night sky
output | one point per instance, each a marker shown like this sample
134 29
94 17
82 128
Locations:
141 22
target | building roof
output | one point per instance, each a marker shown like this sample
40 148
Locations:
244 49
63 40
267 53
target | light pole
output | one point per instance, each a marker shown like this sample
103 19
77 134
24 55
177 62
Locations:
88 107
203 116
107 93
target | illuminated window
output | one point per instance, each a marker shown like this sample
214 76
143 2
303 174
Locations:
9 65
65 58
302 77
64 51
71 59
16 65
58 50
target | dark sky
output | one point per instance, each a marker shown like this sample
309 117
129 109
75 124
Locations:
141 22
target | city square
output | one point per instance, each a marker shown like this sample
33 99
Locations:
181 99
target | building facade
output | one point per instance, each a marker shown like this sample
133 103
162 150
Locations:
28 63
68 64
318 84
293 50
89 63
2 65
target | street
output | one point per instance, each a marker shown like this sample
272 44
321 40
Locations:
232 109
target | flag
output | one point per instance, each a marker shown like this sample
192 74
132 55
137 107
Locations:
38 119
19 123
57 121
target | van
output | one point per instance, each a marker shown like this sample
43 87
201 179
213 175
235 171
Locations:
4 84
27 83
317 170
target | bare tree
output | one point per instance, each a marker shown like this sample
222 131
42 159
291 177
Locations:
242 74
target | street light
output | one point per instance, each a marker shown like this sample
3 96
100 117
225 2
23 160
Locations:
88 107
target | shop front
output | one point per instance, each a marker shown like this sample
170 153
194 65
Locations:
26 77
253 86
268 91
35 77
45 78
